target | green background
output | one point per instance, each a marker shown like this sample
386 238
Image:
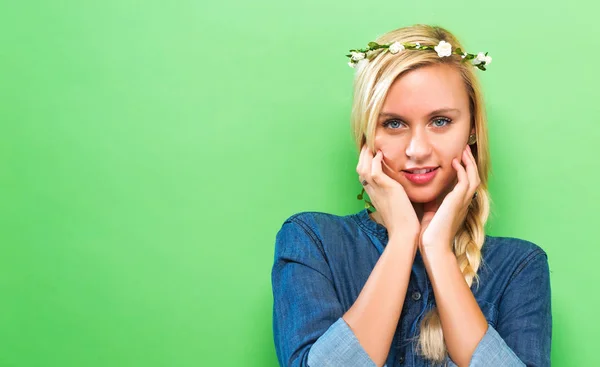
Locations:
150 151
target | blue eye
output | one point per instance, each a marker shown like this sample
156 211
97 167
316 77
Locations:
390 122
395 124
447 121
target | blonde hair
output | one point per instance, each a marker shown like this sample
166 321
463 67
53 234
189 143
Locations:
371 84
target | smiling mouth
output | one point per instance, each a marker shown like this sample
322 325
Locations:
420 171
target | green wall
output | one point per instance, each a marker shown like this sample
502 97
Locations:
150 151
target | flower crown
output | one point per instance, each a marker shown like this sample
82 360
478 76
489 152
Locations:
443 49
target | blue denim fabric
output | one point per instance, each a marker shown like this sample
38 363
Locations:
322 262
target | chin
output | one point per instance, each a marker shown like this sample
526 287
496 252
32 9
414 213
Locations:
422 195
427 193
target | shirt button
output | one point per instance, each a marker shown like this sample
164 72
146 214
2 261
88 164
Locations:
416 296
401 359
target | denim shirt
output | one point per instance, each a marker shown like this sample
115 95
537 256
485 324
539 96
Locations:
322 261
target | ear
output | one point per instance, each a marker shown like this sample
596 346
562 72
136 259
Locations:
472 131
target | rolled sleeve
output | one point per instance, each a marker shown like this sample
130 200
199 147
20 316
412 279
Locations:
492 350
308 327
338 347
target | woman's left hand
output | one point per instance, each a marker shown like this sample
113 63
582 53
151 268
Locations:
440 223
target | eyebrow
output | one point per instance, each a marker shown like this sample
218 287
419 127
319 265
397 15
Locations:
431 114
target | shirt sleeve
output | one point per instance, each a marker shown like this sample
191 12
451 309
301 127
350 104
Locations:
524 332
492 350
308 326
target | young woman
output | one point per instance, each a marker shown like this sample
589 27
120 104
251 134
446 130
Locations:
416 282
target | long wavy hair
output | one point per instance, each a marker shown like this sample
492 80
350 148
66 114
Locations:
371 84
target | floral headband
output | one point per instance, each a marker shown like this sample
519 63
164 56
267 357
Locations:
443 49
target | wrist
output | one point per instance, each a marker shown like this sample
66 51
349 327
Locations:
404 239
433 254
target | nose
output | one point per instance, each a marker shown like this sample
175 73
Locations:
419 147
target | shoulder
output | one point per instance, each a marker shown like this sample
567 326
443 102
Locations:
315 217
308 238
518 247
311 224
509 255
317 224
327 232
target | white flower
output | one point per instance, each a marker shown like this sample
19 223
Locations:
351 64
396 47
481 58
464 55
356 56
417 45
443 49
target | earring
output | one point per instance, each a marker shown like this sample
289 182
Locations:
472 139
368 204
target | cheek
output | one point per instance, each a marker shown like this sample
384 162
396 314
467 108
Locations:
393 152
450 154
450 174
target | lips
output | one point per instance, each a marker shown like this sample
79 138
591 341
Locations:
421 178
419 171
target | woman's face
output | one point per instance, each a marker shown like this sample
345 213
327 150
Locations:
424 122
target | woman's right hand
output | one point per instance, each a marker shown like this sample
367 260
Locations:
387 195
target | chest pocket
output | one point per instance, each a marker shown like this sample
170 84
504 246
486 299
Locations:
489 311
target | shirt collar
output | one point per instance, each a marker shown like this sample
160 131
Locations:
371 226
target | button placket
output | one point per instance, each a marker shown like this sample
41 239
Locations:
416 296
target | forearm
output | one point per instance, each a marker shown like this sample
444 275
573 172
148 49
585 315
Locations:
463 323
374 315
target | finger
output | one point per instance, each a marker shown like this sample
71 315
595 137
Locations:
366 166
363 168
386 169
474 160
472 172
383 162
376 171
361 160
366 176
463 181
470 155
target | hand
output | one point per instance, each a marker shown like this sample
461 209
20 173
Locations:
387 195
440 223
